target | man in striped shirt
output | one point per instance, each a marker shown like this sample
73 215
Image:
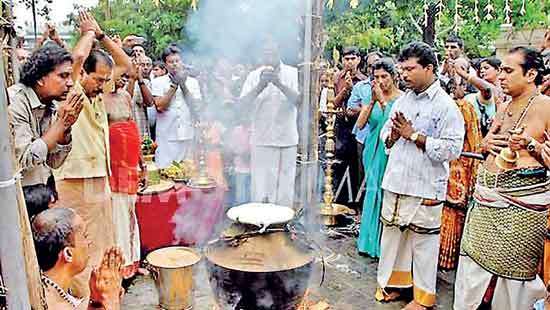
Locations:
425 132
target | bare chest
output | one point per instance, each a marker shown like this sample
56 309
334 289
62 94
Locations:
531 123
118 107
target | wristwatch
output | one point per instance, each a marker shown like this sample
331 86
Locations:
532 146
414 136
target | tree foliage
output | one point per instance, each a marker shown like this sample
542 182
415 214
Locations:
160 25
384 25
388 25
43 7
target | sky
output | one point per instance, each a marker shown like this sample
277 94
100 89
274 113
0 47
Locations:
59 12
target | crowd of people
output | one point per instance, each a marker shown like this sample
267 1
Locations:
453 155
80 116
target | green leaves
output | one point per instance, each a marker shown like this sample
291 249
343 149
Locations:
389 25
160 25
373 25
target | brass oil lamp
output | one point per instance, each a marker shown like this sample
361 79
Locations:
328 209
507 159
202 180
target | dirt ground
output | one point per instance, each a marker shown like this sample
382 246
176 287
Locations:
349 283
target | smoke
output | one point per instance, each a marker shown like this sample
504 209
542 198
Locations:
235 29
227 39
197 207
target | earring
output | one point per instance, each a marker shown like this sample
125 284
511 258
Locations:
68 255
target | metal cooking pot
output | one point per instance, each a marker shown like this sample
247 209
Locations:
264 270
172 270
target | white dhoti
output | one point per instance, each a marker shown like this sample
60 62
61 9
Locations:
409 246
472 282
126 227
273 171
169 151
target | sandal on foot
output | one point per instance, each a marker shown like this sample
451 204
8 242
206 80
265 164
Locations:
382 296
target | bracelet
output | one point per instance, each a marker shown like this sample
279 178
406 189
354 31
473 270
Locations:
101 36
174 86
140 82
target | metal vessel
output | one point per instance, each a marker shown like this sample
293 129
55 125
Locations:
253 268
172 270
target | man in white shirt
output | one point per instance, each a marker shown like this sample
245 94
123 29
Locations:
425 132
272 92
175 96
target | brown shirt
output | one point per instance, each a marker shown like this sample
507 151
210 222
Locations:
30 119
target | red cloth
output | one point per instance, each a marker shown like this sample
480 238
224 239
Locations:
125 148
181 216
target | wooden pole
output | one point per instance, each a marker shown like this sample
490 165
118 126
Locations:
17 253
11 244
309 106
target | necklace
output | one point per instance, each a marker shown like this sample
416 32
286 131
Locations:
64 295
523 113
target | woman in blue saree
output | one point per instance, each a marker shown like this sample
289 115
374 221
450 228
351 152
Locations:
374 114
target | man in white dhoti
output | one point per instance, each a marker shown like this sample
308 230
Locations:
176 95
425 132
272 92
505 230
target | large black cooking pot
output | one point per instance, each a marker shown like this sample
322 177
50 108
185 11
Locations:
264 271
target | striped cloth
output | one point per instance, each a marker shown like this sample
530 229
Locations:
139 112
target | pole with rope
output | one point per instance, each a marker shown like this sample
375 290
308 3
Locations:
19 266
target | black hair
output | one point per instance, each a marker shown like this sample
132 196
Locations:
455 39
42 62
350 50
476 63
491 61
385 64
532 59
375 53
137 44
160 64
170 50
422 52
129 52
38 196
52 231
90 65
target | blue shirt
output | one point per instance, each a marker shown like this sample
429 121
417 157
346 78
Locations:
360 94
